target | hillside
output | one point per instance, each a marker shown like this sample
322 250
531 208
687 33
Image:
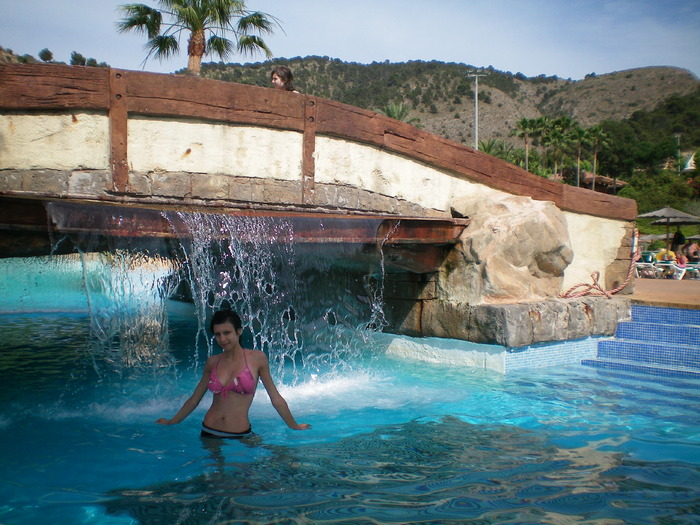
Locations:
442 97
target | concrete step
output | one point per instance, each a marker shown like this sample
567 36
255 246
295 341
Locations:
635 366
665 316
667 389
664 342
650 353
671 334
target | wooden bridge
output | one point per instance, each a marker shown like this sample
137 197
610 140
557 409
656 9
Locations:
109 150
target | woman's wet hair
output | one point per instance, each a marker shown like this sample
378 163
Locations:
223 316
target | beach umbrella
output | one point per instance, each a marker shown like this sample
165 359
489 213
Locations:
666 215
678 221
651 237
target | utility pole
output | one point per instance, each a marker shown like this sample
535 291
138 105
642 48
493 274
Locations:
476 105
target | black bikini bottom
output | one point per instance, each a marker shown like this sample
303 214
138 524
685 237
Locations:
220 434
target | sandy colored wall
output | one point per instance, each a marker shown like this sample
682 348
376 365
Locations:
200 147
595 243
68 141
80 141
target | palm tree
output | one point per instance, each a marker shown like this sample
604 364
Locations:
543 126
560 138
579 138
398 111
524 129
199 19
598 140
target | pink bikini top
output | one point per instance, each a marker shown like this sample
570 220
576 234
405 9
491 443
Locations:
244 383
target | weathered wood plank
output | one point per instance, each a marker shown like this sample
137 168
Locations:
308 162
134 221
118 131
193 97
53 86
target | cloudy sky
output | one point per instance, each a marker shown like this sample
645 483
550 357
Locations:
567 38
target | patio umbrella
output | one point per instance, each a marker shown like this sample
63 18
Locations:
651 237
666 215
678 221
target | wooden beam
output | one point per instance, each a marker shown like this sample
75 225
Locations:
118 131
134 221
308 163
194 97
53 86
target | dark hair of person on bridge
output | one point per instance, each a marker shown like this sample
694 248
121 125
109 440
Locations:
282 78
232 376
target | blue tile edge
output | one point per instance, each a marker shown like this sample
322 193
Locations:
560 353
665 315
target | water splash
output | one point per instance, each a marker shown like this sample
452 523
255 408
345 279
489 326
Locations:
127 293
300 309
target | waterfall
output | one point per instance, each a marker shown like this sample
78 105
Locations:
311 306
296 305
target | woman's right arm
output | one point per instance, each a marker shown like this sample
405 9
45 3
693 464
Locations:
193 401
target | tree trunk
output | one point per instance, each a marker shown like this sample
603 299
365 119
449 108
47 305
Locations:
526 155
195 52
595 159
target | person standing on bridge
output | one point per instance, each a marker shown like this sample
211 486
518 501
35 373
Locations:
232 377
282 78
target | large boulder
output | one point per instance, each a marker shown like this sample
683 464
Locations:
515 249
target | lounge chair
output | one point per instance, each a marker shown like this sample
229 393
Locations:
669 269
644 269
692 271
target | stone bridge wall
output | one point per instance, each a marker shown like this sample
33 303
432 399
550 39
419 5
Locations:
134 137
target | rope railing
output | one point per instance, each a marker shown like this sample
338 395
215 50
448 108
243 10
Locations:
594 288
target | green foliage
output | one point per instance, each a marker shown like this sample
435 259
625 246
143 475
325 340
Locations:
205 22
647 139
76 59
654 190
45 55
399 111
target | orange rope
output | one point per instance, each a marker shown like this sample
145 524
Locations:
595 288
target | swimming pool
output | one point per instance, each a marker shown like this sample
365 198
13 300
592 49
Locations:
393 440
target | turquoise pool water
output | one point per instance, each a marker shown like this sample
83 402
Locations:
393 440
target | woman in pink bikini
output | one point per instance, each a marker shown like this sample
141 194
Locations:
232 376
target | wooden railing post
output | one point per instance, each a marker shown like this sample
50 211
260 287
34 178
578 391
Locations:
118 130
308 164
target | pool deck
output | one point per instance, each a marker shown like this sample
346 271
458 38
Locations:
668 293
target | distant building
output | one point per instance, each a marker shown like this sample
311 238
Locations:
689 164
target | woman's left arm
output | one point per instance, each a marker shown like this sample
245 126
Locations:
275 397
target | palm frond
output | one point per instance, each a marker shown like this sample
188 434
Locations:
190 16
257 22
140 18
251 44
220 46
162 46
